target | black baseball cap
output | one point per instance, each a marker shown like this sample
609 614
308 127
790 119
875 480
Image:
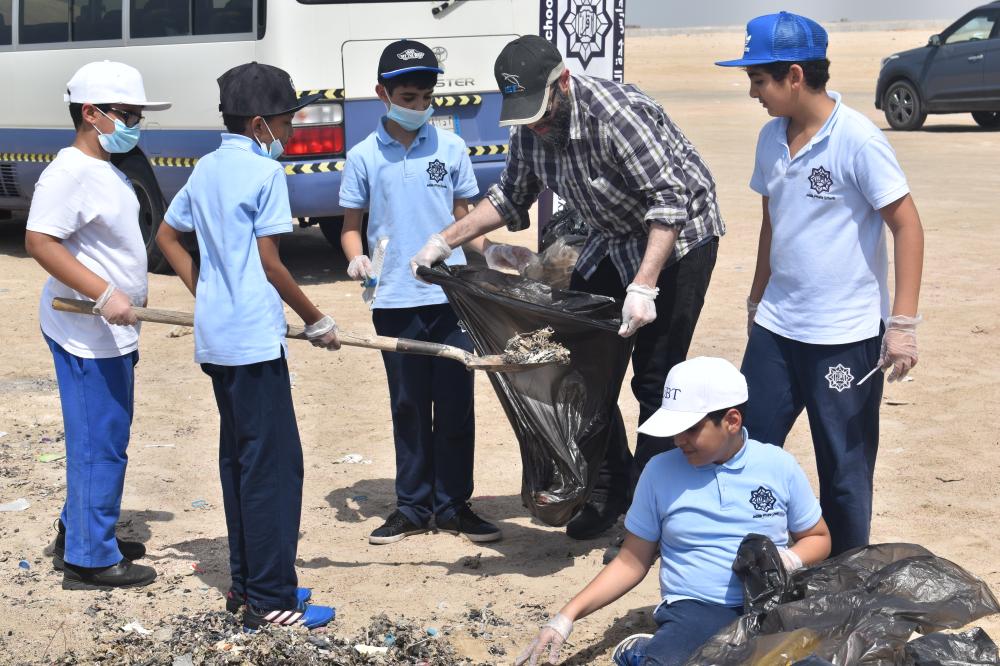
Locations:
255 89
525 71
407 56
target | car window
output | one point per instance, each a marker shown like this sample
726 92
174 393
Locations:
976 28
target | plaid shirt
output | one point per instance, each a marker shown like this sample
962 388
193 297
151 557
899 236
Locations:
626 166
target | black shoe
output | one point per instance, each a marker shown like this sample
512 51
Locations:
471 526
396 528
130 550
123 574
612 551
595 517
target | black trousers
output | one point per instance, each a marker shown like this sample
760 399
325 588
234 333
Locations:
659 346
260 464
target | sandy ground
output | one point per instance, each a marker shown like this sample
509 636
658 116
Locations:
937 475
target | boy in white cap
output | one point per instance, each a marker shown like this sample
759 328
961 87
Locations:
83 228
819 305
692 507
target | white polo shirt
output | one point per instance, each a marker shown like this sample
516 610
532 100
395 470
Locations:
829 263
699 515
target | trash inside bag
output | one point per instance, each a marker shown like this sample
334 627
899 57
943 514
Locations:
860 607
563 223
558 412
968 648
558 249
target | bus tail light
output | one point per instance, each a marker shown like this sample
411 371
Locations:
319 130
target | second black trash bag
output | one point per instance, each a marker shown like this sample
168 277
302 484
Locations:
558 412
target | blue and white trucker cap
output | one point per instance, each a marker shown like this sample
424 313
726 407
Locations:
781 37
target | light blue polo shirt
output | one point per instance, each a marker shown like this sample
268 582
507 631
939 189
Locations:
699 515
234 196
410 194
829 263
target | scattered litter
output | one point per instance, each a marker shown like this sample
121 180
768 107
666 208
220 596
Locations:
160 446
944 480
137 628
389 640
370 649
183 660
907 379
199 504
431 631
360 498
50 457
195 567
896 403
20 504
535 347
353 459
179 331
473 561
3 433
24 564
291 379
977 329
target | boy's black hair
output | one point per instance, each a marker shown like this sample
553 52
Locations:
719 414
423 80
817 72
76 112
238 124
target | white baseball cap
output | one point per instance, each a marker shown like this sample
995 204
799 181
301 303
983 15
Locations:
107 82
693 389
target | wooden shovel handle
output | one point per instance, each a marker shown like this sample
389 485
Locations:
296 332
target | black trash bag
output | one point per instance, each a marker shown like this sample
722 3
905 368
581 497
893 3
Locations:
565 223
969 648
762 573
857 608
558 412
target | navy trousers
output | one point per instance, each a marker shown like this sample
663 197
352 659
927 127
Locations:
433 417
659 346
784 377
97 397
684 626
260 464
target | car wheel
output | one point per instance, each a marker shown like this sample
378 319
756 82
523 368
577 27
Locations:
151 207
988 119
903 108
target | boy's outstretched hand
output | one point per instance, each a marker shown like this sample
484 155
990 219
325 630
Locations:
550 637
323 333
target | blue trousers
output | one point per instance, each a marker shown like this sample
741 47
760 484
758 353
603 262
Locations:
784 377
260 464
684 626
97 400
433 418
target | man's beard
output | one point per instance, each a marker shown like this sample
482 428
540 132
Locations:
558 126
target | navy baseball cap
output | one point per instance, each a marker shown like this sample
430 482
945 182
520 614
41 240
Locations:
256 89
407 56
781 37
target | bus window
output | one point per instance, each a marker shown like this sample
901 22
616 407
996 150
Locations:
159 18
222 17
44 21
97 19
5 29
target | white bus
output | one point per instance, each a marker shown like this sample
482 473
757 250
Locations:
182 46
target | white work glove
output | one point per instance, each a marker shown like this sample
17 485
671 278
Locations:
323 334
500 256
751 314
434 250
639 308
790 559
899 346
552 636
114 305
360 268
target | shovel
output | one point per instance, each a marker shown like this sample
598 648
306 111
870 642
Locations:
490 363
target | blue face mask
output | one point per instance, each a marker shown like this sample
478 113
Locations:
273 151
122 140
409 119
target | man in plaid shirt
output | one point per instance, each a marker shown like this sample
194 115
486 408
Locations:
612 153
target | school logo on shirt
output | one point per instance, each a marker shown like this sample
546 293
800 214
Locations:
840 378
820 182
762 499
436 171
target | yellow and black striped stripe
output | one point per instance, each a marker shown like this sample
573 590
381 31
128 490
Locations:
480 151
185 162
331 94
27 157
448 101
314 167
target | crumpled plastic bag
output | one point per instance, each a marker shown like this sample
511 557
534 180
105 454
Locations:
554 265
860 607
968 648
558 412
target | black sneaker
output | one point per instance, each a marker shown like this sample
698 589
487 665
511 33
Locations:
471 526
396 528
123 574
595 517
130 550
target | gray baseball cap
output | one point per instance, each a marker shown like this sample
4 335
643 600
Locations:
525 71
